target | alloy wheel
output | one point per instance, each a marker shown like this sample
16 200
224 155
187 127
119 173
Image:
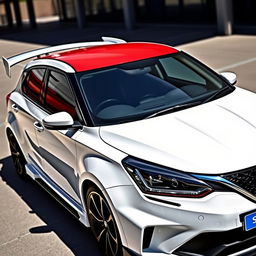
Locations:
103 224
17 156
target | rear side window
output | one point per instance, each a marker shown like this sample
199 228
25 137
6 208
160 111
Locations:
59 96
33 83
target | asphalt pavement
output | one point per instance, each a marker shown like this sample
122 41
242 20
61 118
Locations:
31 222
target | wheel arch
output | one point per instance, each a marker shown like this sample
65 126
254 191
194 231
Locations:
12 127
91 180
85 186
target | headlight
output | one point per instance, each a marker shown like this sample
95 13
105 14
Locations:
153 179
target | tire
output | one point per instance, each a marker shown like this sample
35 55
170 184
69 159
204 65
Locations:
103 224
17 156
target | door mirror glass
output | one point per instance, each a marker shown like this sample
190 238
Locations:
58 121
230 76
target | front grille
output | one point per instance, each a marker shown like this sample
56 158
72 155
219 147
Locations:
245 179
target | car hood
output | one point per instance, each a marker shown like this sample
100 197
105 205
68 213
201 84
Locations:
213 138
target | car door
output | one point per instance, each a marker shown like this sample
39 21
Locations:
25 102
58 149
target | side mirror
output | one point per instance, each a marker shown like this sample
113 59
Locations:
58 121
230 76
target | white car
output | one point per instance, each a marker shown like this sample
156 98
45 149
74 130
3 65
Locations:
141 142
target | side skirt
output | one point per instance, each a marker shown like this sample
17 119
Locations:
57 193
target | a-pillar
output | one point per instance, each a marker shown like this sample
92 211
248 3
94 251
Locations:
224 10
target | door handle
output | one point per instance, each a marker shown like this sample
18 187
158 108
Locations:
38 126
15 108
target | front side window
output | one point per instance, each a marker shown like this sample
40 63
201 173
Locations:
59 96
140 89
33 83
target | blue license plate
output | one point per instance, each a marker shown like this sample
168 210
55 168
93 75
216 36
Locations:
250 221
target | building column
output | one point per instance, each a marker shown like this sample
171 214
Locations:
31 13
129 14
224 10
80 13
17 12
8 13
155 8
62 10
181 7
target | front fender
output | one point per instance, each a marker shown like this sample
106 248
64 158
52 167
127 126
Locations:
104 174
109 173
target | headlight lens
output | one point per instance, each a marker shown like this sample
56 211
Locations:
153 179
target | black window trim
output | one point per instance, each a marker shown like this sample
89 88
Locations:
44 88
27 71
77 105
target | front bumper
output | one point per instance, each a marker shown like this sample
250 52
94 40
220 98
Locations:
156 228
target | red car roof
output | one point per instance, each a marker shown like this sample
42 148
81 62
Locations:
109 55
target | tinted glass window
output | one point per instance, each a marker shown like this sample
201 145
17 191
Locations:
139 89
59 96
178 70
33 83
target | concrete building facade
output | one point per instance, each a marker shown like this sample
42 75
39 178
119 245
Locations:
225 14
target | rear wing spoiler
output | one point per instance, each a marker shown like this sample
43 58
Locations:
11 61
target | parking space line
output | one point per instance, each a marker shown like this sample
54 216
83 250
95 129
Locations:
15 239
240 63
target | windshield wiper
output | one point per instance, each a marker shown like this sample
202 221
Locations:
174 108
217 94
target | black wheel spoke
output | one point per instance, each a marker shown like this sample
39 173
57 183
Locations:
106 244
16 161
19 166
113 237
96 207
100 235
113 251
112 228
94 216
14 153
101 208
110 218
13 145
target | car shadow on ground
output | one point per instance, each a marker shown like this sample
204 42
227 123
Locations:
58 220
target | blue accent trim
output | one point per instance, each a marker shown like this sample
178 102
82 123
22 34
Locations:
213 178
57 189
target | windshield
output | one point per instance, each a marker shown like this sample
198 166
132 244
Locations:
137 90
